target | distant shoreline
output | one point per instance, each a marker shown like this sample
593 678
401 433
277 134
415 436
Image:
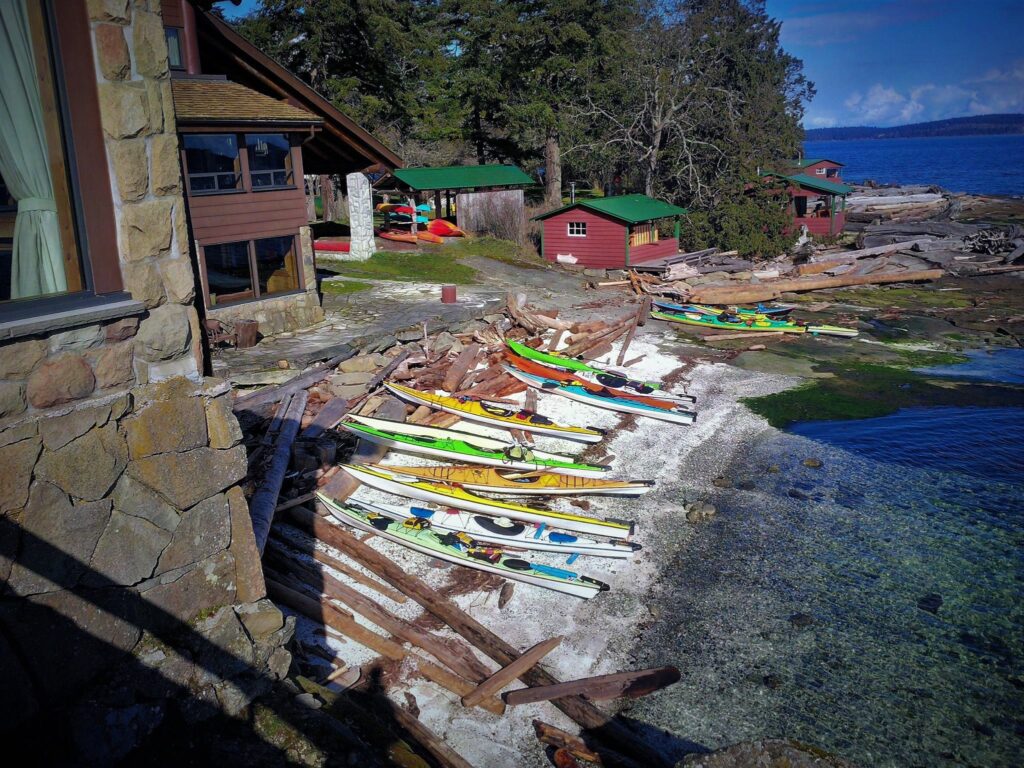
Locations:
981 125
922 136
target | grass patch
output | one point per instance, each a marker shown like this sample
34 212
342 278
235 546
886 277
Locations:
865 390
408 266
504 251
902 297
342 287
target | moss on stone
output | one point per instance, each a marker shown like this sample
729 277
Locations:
342 287
902 297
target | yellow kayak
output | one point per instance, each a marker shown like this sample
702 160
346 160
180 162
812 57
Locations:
391 480
495 415
514 482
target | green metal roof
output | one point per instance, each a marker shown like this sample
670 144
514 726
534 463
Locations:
812 161
463 177
819 184
632 209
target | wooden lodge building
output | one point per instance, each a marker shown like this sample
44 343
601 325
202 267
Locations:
609 232
817 195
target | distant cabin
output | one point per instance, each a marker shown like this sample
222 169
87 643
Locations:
819 168
609 232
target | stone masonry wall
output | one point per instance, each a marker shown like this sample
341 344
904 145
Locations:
286 313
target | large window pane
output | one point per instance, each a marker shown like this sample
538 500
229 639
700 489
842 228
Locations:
270 160
228 274
174 57
212 162
275 265
38 245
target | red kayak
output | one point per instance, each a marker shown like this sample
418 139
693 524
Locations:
331 246
444 228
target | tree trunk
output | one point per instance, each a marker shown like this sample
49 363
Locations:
478 136
553 169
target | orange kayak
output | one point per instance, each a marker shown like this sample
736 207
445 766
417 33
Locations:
565 377
514 482
429 237
401 237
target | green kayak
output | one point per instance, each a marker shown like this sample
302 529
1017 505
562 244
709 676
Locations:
751 323
572 364
513 457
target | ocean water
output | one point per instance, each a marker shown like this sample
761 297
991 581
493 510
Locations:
873 606
988 165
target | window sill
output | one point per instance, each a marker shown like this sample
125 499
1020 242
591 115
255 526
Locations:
272 189
215 192
87 310
264 297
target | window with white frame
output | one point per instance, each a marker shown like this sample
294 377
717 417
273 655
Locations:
577 229
820 171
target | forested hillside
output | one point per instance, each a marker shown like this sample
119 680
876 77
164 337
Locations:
684 100
956 126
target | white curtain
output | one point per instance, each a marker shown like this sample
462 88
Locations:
38 267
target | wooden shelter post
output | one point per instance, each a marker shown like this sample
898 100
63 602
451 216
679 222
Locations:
437 203
448 203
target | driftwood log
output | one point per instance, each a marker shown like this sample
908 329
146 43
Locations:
302 381
748 294
511 671
630 685
264 501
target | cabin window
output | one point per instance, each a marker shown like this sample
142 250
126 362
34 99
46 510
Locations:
39 248
276 268
228 272
820 171
174 58
577 229
270 160
250 269
212 163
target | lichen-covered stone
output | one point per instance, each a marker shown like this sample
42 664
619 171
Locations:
131 168
142 280
17 460
179 280
249 579
12 398
109 10
112 51
165 164
211 582
58 540
76 340
127 551
150 44
231 650
112 365
146 228
177 424
60 379
154 99
87 467
18 359
204 530
134 498
165 334
58 431
121 330
124 109
221 423
261 618
363 364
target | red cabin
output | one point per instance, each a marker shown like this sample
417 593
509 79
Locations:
819 168
609 232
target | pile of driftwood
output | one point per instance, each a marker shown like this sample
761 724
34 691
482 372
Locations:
322 571
896 204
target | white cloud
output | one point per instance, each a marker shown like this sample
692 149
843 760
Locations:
997 91
821 121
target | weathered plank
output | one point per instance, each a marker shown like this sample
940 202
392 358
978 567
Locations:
748 294
264 501
300 382
630 685
511 671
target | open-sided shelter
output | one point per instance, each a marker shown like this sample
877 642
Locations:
609 232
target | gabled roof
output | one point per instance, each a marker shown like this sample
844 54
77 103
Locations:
820 185
221 101
631 209
813 161
341 147
463 177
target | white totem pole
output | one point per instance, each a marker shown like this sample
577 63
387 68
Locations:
360 217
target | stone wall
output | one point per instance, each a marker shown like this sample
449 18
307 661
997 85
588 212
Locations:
285 313
134 495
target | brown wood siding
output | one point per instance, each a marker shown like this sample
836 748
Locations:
250 215
604 247
94 190
811 170
172 13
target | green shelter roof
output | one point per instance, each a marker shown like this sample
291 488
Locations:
462 177
631 209
820 185
812 161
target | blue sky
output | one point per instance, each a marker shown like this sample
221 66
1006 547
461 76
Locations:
888 62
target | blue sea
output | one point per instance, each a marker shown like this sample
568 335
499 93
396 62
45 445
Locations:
986 165
872 606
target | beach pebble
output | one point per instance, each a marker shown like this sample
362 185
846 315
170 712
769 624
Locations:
801 620
507 590
812 463
772 681
930 602
722 482
773 469
797 494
